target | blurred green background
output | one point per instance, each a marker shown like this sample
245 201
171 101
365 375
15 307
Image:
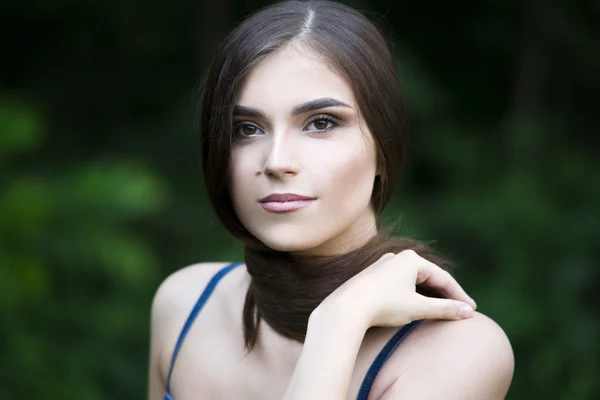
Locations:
101 195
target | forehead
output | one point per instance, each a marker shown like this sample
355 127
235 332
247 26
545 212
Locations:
291 76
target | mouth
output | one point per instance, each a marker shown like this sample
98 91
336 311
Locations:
285 202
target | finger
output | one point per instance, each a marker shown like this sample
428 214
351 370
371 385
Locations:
386 256
432 308
433 277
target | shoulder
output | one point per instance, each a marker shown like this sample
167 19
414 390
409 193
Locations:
172 303
466 359
179 291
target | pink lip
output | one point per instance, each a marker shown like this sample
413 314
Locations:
284 197
286 206
285 202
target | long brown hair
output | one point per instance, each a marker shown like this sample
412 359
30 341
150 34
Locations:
286 288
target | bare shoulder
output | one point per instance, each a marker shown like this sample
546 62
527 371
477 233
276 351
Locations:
171 305
181 289
466 359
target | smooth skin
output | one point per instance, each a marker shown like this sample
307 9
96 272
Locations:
453 354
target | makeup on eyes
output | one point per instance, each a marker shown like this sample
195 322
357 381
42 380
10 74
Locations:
343 118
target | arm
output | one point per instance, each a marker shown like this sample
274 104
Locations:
381 295
470 359
171 305
325 365
156 381
156 387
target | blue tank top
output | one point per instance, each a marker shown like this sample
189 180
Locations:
365 387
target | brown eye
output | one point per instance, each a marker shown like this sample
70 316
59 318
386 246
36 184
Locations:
248 130
321 124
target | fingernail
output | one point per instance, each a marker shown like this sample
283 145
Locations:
465 311
474 302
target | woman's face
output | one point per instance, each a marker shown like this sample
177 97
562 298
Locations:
297 121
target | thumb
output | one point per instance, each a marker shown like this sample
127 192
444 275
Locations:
434 308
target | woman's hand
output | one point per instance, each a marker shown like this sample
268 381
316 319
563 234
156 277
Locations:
384 294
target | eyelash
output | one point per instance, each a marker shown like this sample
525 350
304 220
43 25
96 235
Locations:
322 117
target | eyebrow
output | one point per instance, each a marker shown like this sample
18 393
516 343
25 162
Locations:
313 105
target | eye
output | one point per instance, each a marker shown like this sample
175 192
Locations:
245 129
322 123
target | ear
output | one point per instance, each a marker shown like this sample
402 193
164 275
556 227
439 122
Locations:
380 170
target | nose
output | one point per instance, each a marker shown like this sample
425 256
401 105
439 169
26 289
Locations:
281 157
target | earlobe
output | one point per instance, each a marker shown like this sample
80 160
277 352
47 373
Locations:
380 169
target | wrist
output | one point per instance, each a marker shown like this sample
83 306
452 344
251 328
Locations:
324 368
340 314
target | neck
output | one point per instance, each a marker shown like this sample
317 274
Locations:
352 238
286 288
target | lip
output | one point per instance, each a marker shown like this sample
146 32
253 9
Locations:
285 202
284 197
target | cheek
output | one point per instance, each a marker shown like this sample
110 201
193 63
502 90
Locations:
349 170
240 174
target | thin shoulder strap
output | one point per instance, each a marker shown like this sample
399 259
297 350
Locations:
190 320
382 357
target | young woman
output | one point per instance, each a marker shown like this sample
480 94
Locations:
303 136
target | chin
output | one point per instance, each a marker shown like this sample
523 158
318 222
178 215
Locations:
294 240
291 245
